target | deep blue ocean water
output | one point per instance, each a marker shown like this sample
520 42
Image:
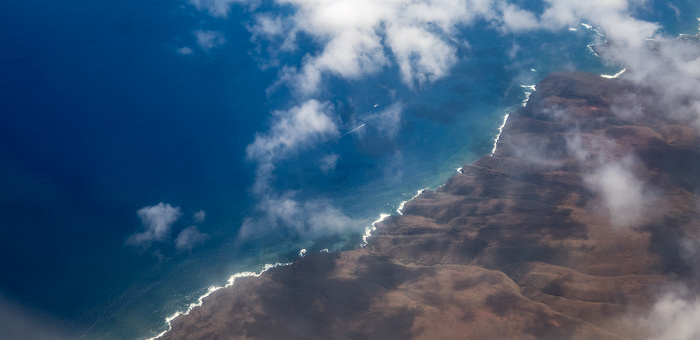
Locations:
100 116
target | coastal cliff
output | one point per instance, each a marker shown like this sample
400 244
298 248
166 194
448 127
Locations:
570 230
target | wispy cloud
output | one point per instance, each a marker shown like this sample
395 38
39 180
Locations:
286 214
387 121
208 40
17 321
610 173
189 238
626 197
328 162
157 221
220 8
199 216
669 66
674 316
290 132
184 51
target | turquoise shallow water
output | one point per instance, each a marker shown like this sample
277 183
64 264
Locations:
100 116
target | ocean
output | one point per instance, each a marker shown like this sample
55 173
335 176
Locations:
109 108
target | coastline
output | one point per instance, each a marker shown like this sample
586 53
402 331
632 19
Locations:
365 237
303 252
516 238
211 290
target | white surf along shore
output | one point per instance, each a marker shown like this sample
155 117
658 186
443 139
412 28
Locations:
211 290
614 76
302 253
529 89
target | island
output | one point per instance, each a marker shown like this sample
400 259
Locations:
572 229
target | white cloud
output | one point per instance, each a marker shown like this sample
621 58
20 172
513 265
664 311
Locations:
610 173
220 8
199 216
422 58
516 19
190 238
184 51
328 162
360 37
625 196
387 121
674 316
209 39
670 67
291 131
357 38
312 218
157 221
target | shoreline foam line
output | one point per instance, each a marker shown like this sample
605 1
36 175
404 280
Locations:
302 253
614 76
211 290
399 210
371 228
500 130
532 88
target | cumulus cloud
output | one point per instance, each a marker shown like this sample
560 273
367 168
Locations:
291 131
157 221
285 214
190 238
361 37
209 39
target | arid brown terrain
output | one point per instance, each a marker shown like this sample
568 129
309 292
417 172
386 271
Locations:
569 231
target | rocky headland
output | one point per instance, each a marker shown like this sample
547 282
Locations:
572 229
